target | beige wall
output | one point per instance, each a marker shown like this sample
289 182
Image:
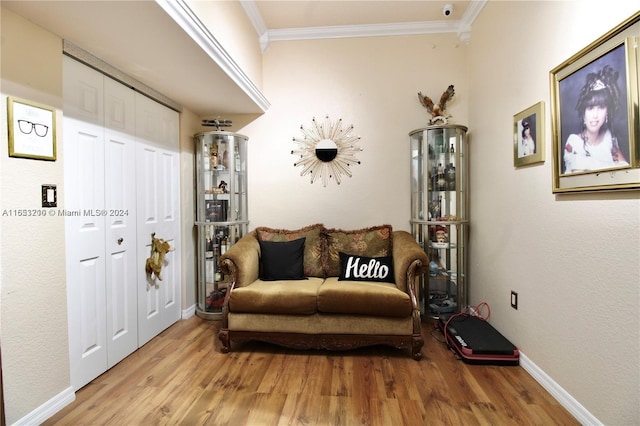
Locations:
573 259
35 352
371 83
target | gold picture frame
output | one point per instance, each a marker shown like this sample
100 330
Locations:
594 115
32 130
528 136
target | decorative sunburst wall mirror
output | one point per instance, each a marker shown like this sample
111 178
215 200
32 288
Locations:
327 150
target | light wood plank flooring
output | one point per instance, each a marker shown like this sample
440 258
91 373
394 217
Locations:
180 377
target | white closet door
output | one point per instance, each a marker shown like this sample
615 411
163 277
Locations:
158 188
120 204
84 229
118 189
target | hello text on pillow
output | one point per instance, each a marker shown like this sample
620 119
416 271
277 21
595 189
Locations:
360 268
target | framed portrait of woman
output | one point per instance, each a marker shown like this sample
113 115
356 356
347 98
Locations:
528 136
595 114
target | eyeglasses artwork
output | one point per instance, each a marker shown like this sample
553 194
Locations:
27 127
31 130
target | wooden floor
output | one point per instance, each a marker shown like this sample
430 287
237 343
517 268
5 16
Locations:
180 377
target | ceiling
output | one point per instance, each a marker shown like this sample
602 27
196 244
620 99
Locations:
304 14
160 44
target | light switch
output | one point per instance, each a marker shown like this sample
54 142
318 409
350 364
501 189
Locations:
49 196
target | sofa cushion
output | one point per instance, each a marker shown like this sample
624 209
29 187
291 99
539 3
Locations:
371 242
313 246
363 298
321 324
277 297
362 268
282 260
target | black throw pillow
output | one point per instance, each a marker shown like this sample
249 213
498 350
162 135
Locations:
360 268
282 260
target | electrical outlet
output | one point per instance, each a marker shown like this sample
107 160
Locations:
514 299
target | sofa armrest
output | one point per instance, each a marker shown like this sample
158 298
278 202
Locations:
242 261
409 259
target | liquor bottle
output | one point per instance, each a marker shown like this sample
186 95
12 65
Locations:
216 246
209 244
452 149
214 156
451 177
441 180
236 159
206 156
439 144
225 159
434 178
224 242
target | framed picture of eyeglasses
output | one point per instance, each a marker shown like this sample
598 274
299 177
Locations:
32 130
594 94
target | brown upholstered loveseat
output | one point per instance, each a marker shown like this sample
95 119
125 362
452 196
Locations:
319 288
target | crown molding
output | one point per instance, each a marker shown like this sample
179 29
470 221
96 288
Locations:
468 18
180 12
254 15
346 31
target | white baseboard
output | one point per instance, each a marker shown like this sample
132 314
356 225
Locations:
66 397
562 396
189 312
48 409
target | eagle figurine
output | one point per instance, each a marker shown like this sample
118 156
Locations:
437 111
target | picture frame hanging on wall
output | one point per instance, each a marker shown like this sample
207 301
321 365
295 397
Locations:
32 130
595 114
528 136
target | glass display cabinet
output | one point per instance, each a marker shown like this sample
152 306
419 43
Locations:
221 211
439 214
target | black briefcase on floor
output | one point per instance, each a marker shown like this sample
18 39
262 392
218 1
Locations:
475 341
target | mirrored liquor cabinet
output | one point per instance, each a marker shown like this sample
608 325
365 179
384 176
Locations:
439 214
221 212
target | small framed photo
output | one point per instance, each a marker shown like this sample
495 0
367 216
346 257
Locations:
595 114
528 136
32 130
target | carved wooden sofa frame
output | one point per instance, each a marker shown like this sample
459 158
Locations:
405 250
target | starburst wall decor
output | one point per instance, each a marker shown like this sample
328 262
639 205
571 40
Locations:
327 150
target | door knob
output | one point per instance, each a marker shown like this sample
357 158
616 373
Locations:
120 240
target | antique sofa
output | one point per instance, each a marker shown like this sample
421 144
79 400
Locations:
319 288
